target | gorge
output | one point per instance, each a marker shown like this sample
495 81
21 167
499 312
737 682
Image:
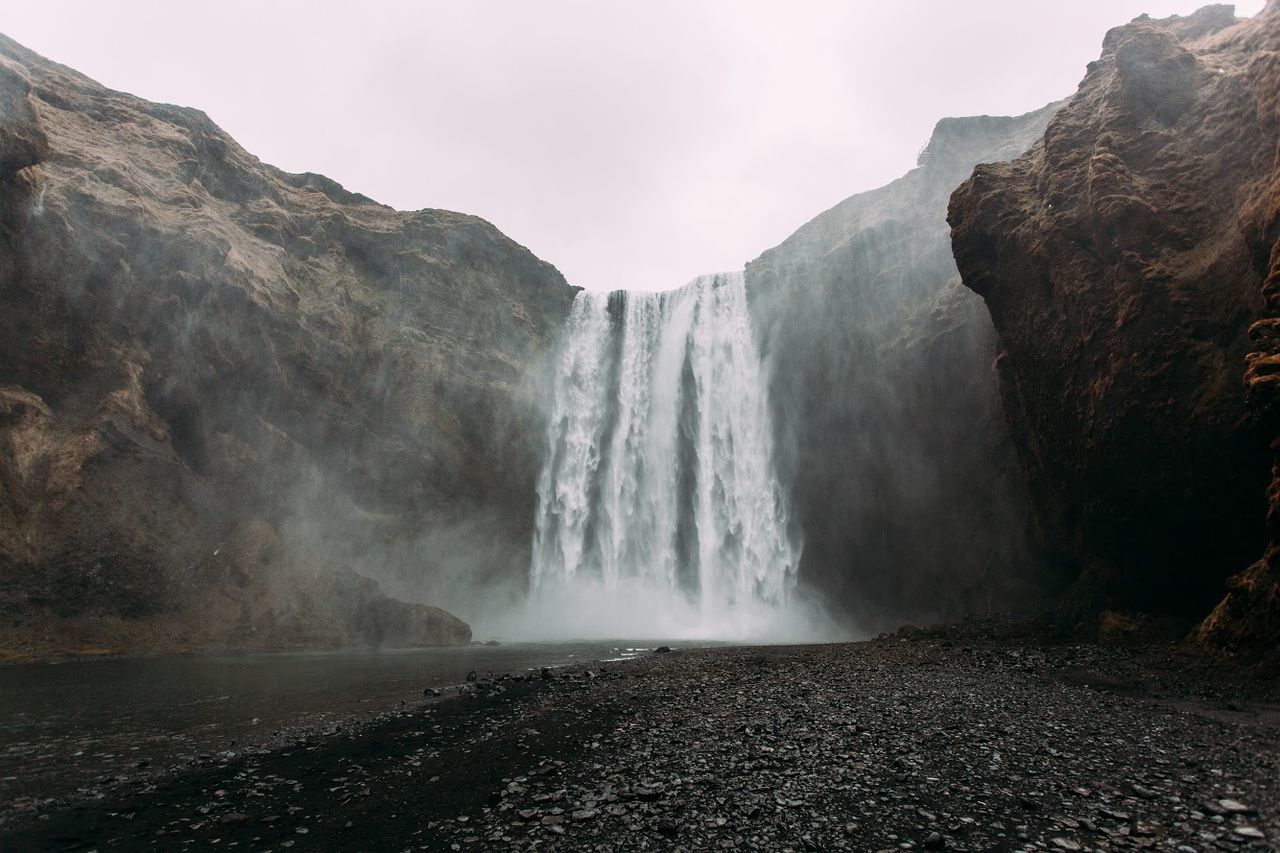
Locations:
951 522
175 479
248 408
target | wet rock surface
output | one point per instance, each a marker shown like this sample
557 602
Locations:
949 739
231 397
1123 260
868 332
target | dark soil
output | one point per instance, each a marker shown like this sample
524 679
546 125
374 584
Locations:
950 739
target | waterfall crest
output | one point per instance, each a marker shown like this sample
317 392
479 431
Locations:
658 501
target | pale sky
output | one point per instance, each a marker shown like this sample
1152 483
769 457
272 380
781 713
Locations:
633 145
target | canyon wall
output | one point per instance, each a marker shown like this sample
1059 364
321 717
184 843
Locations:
231 396
249 408
891 440
1129 263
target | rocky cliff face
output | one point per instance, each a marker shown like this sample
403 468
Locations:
223 388
891 437
1123 260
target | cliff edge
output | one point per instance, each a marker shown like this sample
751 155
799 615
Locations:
890 437
1126 261
238 406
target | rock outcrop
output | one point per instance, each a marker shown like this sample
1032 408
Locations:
891 439
230 395
1126 261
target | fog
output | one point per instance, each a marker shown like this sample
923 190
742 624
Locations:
889 429
295 392
659 508
643 611
634 146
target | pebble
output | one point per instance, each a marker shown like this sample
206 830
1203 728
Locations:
810 751
903 744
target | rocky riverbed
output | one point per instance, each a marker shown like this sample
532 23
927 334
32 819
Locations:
961 739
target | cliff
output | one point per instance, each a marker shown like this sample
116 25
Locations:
890 436
1126 261
230 396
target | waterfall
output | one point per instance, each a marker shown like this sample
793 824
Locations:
658 506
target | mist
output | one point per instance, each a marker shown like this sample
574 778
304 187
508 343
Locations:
816 428
312 386
260 400
882 373
659 509
645 612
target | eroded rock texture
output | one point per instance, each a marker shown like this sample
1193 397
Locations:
224 387
890 435
1123 261
1248 619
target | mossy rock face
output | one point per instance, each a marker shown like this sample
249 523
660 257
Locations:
192 341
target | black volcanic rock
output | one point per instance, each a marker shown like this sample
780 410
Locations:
200 353
890 436
1123 260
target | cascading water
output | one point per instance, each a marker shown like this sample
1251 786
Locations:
659 513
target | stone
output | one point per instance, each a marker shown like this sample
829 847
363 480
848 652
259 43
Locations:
1101 215
246 322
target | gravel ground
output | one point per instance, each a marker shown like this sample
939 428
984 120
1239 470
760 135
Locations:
949 739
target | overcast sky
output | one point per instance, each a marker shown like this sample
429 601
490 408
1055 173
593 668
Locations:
631 144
